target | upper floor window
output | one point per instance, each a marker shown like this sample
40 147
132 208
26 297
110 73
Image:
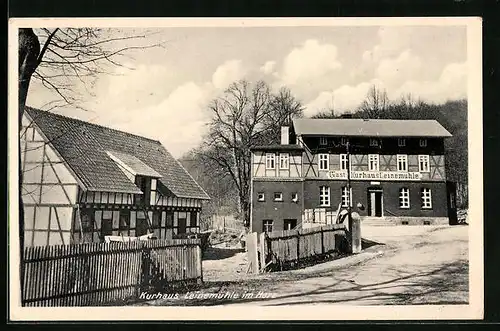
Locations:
346 198
343 161
402 162
323 141
278 196
426 198
401 142
423 163
374 142
344 141
323 162
422 143
404 197
270 161
324 196
373 162
284 157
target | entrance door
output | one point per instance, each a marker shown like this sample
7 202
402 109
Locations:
289 224
375 202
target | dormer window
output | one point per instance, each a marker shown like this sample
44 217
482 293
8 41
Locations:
423 143
344 141
323 141
401 142
374 142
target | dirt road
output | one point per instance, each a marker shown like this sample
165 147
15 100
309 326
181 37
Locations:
414 265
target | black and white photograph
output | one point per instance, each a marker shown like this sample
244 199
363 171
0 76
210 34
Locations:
322 169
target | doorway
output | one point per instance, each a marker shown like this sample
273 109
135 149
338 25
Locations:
375 202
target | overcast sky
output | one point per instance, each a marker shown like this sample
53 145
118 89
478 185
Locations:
164 95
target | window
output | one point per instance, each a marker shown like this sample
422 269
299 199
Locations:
278 196
323 162
295 197
270 160
346 198
426 198
141 226
156 221
402 162
323 141
344 141
124 221
373 162
261 196
169 222
423 143
374 142
289 224
324 196
343 161
267 225
401 142
423 163
284 160
107 223
404 197
193 219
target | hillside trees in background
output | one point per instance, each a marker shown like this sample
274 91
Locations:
452 115
245 115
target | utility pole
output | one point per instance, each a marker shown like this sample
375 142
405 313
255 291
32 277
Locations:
349 202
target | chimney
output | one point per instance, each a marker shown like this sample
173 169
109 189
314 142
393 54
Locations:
285 135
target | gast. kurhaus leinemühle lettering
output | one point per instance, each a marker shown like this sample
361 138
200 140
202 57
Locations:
397 174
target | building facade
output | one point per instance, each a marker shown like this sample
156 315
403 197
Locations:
82 182
397 174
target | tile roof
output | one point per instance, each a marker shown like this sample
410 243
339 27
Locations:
84 147
370 127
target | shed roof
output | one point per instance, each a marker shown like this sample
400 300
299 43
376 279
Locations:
84 147
370 127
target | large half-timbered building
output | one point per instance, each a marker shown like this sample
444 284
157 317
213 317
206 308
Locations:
83 181
397 174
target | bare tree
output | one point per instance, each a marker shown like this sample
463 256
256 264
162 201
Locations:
61 59
245 115
375 104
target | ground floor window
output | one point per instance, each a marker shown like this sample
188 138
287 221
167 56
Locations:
404 198
346 196
324 196
426 198
92 225
267 225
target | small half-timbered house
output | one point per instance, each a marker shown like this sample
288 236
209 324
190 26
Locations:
82 182
396 167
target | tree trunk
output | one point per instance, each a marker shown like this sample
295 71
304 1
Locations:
29 49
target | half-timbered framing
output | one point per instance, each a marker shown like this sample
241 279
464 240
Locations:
318 149
82 182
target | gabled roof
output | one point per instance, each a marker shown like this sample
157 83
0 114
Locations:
84 147
370 128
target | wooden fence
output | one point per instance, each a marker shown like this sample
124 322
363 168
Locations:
282 248
102 273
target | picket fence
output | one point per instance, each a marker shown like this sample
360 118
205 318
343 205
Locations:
102 273
294 246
